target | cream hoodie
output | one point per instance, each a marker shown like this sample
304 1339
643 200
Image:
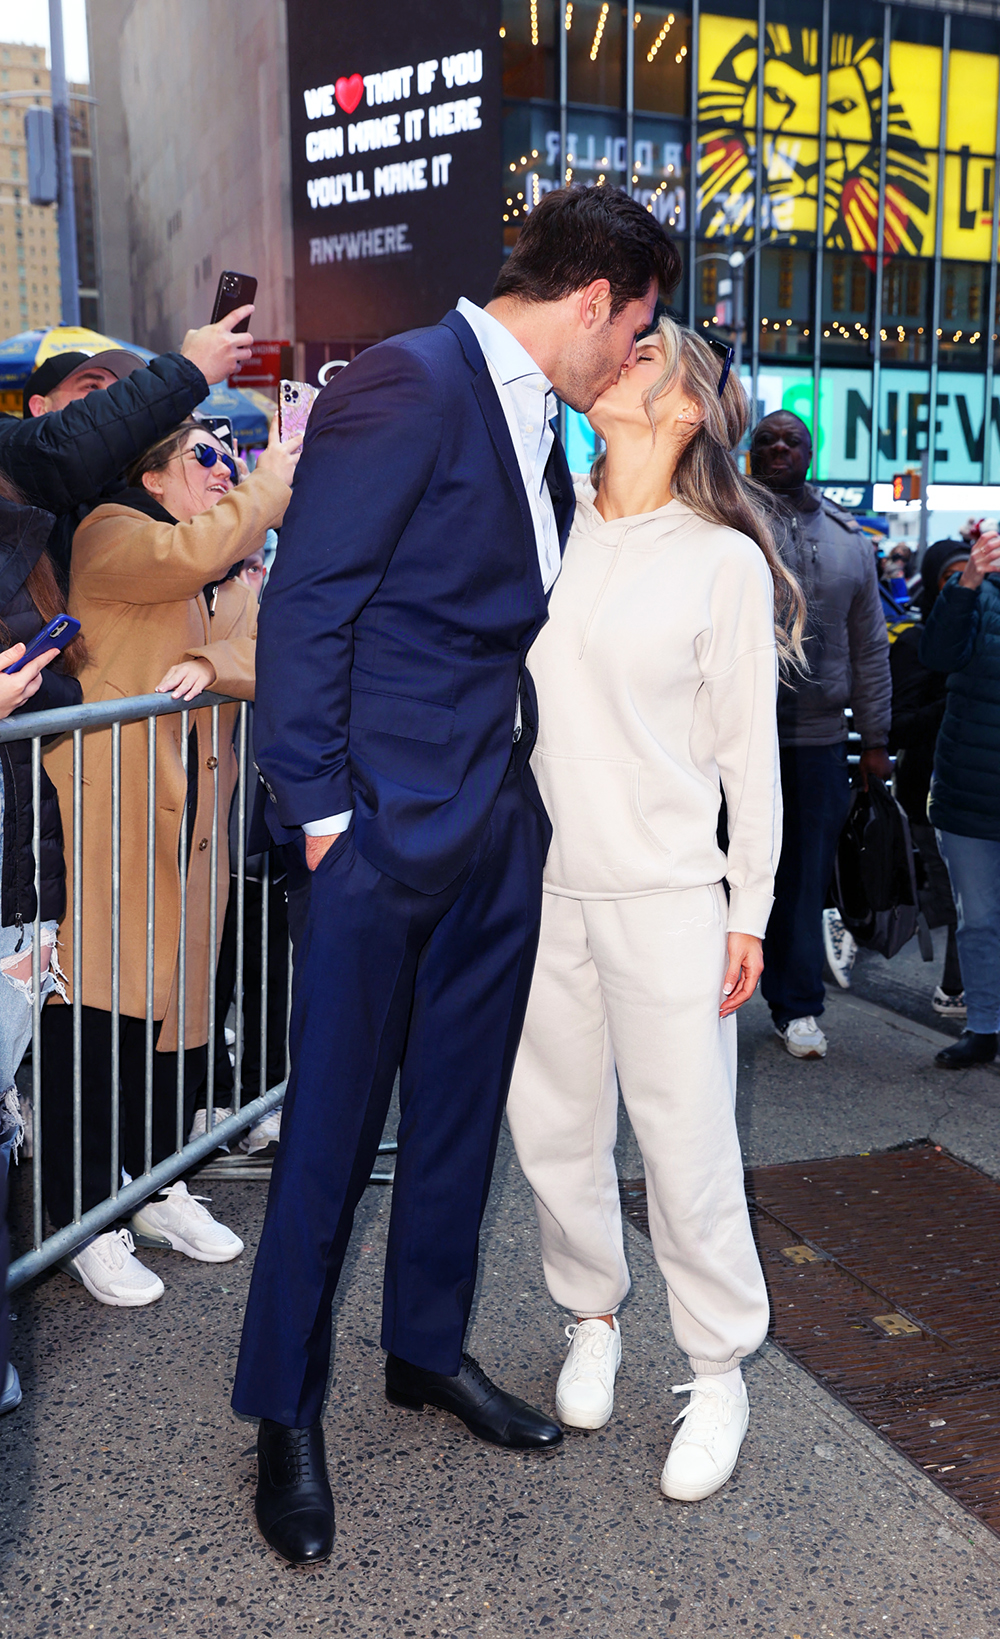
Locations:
656 678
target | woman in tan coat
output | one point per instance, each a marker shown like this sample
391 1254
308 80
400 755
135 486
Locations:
149 584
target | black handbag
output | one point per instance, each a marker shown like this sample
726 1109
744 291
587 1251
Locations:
874 878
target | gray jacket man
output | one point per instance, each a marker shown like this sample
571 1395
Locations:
847 649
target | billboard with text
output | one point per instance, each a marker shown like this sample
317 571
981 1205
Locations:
395 133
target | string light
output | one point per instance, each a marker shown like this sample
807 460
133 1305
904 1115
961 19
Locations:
637 19
599 31
680 56
665 30
534 22
503 32
569 15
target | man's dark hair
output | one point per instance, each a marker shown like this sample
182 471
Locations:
576 235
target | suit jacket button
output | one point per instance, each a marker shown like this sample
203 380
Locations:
213 762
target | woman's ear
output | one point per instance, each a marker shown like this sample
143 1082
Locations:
153 482
690 413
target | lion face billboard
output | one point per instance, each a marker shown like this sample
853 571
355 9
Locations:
791 118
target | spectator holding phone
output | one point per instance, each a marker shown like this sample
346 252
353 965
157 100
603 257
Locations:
962 639
86 417
29 599
150 582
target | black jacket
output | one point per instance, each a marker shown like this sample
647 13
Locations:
23 533
918 700
962 639
70 460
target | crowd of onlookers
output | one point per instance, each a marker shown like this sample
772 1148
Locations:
121 506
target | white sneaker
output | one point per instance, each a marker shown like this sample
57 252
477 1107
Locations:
840 947
949 1007
585 1392
179 1220
265 1137
803 1038
199 1123
106 1267
706 1446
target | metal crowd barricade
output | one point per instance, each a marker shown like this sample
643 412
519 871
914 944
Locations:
121 1200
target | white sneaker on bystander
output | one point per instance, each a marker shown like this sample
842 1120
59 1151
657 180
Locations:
179 1220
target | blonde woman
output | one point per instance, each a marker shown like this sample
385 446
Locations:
656 678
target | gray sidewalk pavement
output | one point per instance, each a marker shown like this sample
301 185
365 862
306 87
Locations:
127 1483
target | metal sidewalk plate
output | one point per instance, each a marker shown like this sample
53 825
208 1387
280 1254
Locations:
884 1278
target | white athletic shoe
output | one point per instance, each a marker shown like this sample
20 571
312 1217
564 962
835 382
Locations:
839 946
803 1038
949 1007
707 1444
107 1268
263 1140
199 1123
585 1392
179 1220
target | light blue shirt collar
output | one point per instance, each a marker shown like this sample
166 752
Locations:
502 350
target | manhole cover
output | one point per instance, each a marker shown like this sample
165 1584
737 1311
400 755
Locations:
884 1281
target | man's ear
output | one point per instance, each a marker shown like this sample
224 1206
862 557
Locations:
595 303
38 405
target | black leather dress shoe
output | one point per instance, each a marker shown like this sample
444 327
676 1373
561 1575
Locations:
294 1502
486 1411
972 1047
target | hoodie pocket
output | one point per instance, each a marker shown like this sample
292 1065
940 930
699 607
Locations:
601 842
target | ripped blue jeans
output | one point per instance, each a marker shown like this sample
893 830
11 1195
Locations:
15 1012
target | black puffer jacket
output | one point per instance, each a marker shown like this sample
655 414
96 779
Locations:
24 531
73 458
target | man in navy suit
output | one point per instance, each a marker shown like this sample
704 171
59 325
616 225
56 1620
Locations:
393 725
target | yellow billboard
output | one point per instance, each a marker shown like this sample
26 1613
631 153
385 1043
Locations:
791 115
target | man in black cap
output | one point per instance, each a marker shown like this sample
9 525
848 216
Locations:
87 416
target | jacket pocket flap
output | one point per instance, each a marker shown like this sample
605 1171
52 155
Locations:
396 714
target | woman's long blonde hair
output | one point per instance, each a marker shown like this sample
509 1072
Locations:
706 477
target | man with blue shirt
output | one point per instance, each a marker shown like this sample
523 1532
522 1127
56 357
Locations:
393 726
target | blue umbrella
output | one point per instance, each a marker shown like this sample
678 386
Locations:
21 354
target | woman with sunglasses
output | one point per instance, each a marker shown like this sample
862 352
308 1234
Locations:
151 584
656 678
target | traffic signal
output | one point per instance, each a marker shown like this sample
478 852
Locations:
906 486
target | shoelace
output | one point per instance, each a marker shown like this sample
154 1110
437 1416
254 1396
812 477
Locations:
178 1193
701 1408
298 1457
596 1346
115 1252
476 1372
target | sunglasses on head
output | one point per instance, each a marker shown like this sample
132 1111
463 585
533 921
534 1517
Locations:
720 348
206 455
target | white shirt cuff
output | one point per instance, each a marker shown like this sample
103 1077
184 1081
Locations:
328 827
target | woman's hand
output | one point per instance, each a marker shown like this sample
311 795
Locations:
984 560
20 686
187 679
746 964
280 459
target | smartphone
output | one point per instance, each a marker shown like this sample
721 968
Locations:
235 290
56 635
295 400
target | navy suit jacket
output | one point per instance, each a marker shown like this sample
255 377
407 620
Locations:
404 596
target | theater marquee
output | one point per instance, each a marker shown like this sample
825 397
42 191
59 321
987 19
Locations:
395 130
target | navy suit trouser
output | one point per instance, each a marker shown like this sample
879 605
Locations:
434 985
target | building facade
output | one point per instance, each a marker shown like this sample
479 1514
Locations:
830 168
29 239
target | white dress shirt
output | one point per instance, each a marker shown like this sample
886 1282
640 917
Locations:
528 404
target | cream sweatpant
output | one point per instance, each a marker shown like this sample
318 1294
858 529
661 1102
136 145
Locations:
636 984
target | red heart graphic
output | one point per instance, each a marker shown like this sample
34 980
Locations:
349 92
